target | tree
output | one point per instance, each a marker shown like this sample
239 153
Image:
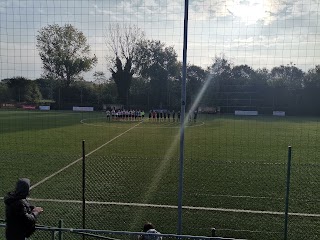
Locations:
122 75
32 93
46 87
139 93
244 88
289 77
158 64
196 76
264 91
23 90
286 83
312 78
64 52
220 80
5 95
243 75
311 96
122 43
100 79
109 93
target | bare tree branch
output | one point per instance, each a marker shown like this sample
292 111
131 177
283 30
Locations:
121 41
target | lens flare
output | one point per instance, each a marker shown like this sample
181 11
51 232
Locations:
169 156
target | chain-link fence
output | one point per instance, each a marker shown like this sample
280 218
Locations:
60 232
131 174
244 57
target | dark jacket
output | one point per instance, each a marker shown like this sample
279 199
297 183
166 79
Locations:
20 220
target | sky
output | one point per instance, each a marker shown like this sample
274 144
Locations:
260 33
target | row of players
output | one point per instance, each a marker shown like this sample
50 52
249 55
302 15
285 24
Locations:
154 115
125 114
131 115
161 115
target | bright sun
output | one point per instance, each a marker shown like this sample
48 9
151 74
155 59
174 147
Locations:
249 11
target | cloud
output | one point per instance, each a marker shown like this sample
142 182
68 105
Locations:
247 11
258 29
252 11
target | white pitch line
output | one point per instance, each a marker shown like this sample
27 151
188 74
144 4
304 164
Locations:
176 207
79 159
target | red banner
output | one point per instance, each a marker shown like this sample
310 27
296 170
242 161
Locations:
29 107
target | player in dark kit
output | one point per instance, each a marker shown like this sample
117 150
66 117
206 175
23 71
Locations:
195 114
179 116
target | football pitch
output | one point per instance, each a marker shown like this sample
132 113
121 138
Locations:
234 172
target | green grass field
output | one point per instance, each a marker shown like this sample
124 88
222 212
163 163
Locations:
234 172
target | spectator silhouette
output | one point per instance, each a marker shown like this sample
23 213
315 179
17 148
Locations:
149 228
20 215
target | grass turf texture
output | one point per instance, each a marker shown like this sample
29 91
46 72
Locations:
230 162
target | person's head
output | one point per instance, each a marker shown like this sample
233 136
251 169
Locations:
147 226
22 187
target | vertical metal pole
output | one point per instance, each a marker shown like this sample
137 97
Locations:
183 109
81 95
53 235
60 237
59 98
287 195
83 187
213 232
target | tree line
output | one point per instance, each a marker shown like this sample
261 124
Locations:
146 74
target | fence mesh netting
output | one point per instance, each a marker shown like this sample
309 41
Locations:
111 73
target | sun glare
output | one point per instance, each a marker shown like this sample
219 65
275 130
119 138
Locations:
249 11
